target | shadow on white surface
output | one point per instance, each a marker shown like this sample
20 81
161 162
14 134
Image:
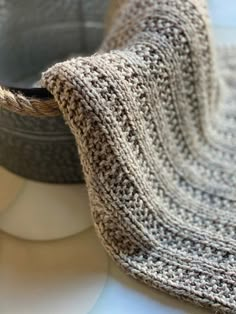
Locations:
59 277
39 211
124 295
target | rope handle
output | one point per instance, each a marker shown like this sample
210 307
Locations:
30 106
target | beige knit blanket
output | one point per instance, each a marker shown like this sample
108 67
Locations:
157 141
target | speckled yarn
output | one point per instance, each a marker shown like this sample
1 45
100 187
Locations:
157 140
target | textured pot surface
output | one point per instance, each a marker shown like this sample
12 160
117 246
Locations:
40 149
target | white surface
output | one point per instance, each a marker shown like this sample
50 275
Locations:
73 276
39 211
63 277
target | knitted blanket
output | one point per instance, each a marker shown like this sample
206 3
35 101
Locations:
156 135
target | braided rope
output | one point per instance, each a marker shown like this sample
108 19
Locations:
20 104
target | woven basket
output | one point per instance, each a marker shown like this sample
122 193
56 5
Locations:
34 140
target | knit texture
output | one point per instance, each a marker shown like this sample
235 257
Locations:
155 125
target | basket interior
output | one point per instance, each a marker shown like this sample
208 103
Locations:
39 33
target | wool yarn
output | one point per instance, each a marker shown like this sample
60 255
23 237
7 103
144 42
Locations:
154 117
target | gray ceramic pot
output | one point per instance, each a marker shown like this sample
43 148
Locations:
35 34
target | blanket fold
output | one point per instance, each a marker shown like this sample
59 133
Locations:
155 125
